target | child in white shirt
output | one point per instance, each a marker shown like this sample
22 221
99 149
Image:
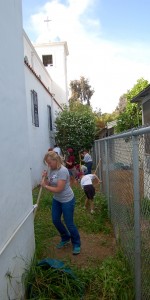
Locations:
88 161
89 190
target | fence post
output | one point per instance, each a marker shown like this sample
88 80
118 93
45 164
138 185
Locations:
107 175
99 157
137 218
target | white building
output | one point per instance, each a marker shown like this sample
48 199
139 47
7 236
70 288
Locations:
45 98
16 213
30 100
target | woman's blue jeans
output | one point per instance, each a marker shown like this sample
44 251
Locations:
69 231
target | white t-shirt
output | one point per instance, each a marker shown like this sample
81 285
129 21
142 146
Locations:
57 150
87 158
87 179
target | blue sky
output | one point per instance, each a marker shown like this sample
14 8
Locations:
108 41
125 20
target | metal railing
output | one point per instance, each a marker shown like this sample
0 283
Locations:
125 175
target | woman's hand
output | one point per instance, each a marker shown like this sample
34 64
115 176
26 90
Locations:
43 184
44 174
44 181
98 180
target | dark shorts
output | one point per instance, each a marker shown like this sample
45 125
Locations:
89 191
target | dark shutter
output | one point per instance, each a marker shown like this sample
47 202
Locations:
50 118
35 115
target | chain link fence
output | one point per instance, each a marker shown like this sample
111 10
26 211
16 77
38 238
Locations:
125 173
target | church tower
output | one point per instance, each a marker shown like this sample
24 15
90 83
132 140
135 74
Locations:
54 57
53 53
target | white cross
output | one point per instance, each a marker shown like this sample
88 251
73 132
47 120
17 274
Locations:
47 20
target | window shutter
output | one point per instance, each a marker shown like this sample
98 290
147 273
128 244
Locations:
34 108
36 116
50 118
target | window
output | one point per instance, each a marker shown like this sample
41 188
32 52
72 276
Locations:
47 60
50 126
34 108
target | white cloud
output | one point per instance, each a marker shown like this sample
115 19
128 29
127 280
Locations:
111 68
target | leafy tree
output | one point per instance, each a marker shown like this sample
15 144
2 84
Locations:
122 104
101 121
131 116
75 128
81 91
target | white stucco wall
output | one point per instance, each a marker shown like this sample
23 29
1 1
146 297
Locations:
16 216
40 138
35 62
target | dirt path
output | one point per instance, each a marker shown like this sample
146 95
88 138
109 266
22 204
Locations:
95 248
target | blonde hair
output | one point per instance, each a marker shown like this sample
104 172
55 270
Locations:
54 156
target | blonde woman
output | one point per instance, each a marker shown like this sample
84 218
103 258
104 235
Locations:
57 181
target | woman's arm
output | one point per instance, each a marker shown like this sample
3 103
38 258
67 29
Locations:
69 163
54 189
44 178
98 180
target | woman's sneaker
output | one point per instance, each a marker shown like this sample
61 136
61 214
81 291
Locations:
76 250
62 244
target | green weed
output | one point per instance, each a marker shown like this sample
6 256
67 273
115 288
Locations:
43 283
112 280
